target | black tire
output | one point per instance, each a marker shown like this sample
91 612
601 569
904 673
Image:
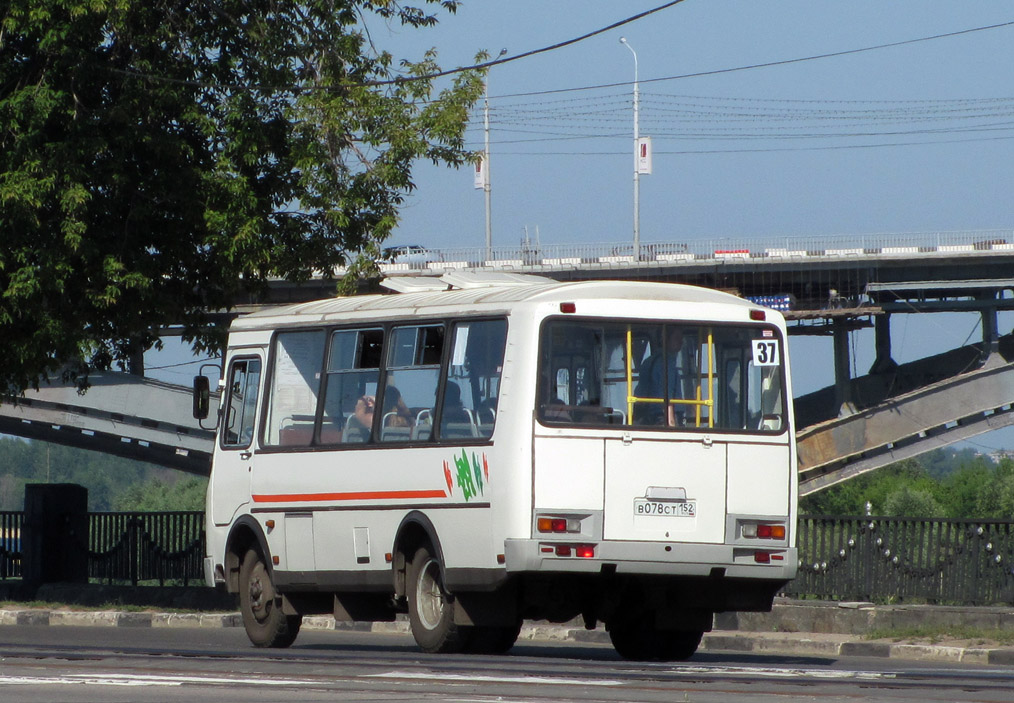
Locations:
493 640
431 607
261 606
640 641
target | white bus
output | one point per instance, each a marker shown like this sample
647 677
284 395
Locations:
476 450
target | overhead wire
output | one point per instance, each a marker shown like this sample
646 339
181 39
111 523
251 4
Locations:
722 119
403 79
768 64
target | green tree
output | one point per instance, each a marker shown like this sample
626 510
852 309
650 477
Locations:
909 502
159 495
962 489
877 488
105 476
995 495
161 159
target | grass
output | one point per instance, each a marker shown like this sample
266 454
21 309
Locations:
120 607
936 634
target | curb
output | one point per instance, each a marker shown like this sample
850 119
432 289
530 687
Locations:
799 644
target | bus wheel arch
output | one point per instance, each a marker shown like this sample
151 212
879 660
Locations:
245 534
415 531
431 607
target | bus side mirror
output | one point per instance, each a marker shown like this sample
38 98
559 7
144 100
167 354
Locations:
202 397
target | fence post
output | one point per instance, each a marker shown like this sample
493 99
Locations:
133 529
55 534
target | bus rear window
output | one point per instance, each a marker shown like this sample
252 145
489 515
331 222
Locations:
661 375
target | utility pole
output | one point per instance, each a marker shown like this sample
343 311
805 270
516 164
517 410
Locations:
637 139
487 185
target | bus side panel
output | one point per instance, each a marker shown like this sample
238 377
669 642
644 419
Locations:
759 476
569 473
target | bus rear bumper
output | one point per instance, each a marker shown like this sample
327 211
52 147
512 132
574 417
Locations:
763 562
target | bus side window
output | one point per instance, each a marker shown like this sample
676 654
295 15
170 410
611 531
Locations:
353 369
413 372
472 387
241 406
295 385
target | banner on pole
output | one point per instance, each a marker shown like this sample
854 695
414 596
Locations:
644 155
480 175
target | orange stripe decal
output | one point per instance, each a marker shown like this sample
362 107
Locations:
361 495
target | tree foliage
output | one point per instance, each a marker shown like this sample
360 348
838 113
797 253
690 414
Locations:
106 477
943 483
158 495
161 159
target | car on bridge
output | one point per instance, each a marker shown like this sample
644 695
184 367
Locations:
412 254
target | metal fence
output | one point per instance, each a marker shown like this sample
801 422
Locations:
125 547
968 562
137 547
10 543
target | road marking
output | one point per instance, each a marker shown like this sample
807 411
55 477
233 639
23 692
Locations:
112 679
776 672
480 678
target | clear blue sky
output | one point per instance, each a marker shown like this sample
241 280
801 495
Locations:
562 161
910 138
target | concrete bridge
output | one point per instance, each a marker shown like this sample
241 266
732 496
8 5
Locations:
835 286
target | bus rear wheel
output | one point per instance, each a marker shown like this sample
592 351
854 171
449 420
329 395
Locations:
641 641
431 607
265 623
493 639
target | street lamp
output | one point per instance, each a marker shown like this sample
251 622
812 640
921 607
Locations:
637 184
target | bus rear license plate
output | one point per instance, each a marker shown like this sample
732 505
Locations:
664 508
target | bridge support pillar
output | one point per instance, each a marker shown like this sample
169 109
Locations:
842 368
55 534
990 333
884 363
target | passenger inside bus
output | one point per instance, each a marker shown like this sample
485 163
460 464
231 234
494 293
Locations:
456 419
661 366
360 422
396 413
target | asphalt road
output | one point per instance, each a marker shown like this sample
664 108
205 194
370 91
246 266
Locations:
142 665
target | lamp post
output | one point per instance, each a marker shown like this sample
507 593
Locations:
487 185
637 184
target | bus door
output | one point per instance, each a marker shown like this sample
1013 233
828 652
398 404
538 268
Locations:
230 480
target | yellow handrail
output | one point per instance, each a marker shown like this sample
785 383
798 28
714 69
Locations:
697 402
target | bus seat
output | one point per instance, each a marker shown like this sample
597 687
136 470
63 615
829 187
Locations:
423 425
354 432
296 435
458 430
330 434
395 434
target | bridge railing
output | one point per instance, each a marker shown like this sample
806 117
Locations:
946 561
137 547
141 547
938 560
611 254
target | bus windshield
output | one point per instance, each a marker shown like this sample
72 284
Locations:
662 375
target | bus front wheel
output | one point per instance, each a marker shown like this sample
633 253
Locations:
431 607
265 623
